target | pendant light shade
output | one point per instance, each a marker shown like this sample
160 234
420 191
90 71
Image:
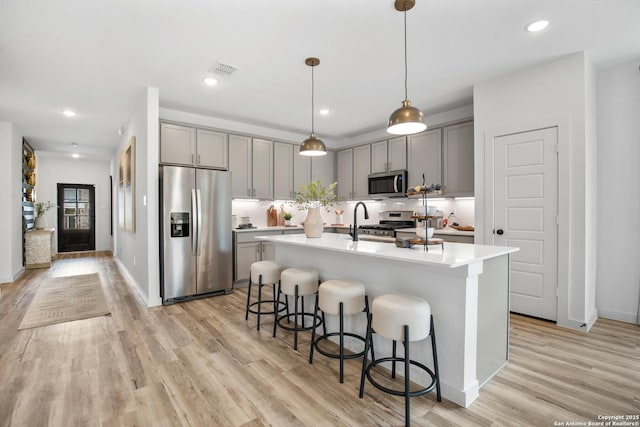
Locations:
312 146
406 120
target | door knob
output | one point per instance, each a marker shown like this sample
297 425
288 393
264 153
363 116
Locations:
499 232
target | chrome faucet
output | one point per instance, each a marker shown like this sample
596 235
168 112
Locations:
355 219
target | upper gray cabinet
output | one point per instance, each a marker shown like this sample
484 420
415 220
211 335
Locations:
425 157
184 145
445 157
354 167
177 144
389 155
282 170
457 156
322 168
211 149
302 168
251 166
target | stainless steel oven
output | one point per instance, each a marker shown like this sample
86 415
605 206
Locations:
388 184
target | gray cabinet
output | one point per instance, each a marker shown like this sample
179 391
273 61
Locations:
322 168
184 145
211 149
354 167
282 170
345 174
457 160
425 157
247 250
361 171
177 144
389 155
251 165
302 169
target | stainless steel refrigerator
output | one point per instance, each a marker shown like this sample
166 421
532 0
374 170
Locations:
196 247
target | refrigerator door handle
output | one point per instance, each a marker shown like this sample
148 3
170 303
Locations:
199 219
195 222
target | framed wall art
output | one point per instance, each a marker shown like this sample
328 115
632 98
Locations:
127 187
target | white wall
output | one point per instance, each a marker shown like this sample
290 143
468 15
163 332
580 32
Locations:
54 169
618 157
10 192
551 94
138 252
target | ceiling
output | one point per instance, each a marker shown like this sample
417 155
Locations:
97 57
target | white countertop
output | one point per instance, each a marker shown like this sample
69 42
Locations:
453 255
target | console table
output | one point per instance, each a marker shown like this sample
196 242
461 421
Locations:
39 248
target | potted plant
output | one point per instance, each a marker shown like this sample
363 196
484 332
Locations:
41 208
287 218
312 197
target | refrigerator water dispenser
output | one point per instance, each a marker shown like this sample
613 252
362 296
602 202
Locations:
179 224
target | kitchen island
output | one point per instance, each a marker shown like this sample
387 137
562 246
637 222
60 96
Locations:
466 285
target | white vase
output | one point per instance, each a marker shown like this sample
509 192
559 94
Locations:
40 222
313 223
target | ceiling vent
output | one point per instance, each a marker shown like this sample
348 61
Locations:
223 69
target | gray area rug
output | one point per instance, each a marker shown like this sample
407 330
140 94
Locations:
63 299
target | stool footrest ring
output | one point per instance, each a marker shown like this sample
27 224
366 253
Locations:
415 393
298 327
281 306
333 355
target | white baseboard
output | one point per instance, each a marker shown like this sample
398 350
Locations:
617 315
132 282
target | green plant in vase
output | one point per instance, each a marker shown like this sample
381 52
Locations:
41 208
312 197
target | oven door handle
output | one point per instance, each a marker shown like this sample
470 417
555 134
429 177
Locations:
395 183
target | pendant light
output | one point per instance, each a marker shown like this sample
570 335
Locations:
312 146
406 120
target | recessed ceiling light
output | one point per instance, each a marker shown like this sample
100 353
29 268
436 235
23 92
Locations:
210 81
74 144
69 113
75 155
537 26
324 111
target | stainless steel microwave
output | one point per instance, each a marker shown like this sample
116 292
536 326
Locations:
388 184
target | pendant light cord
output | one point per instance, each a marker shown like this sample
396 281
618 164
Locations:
312 100
405 55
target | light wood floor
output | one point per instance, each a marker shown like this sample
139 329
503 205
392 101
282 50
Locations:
200 364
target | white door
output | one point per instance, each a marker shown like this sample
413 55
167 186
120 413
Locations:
525 216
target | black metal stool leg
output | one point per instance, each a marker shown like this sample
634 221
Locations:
393 364
313 331
259 300
407 381
366 310
295 331
246 314
367 340
341 342
435 360
302 298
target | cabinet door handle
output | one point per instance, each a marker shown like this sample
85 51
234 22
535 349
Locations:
254 192
248 192
198 158
191 158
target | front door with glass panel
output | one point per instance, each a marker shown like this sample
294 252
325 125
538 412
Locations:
76 218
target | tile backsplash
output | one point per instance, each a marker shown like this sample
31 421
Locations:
257 210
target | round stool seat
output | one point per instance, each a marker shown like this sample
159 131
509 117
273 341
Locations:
269 270
391 312
305 278
348 292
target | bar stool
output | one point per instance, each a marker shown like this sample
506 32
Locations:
401 318
267 273
341 298
297 282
